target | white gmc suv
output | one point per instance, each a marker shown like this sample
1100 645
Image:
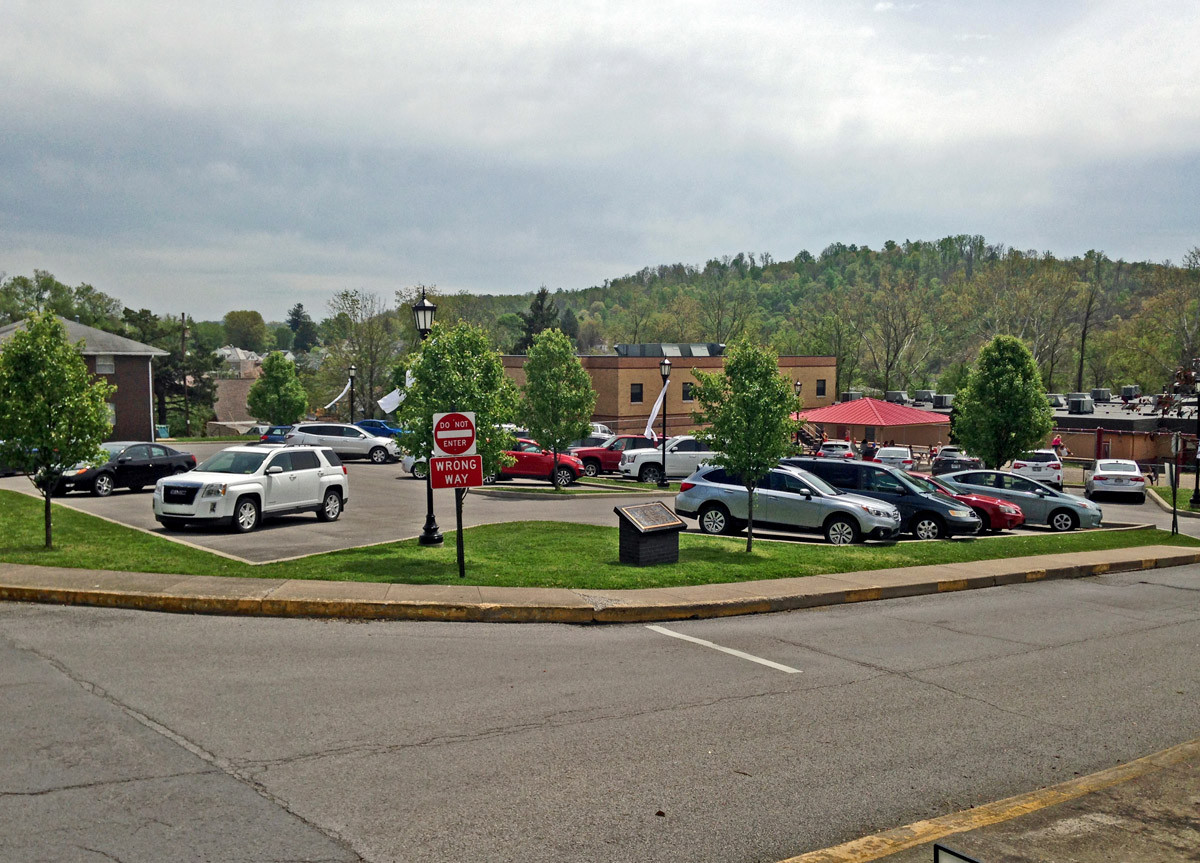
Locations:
684 454
242 484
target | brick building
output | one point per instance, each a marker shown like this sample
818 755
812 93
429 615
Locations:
122 362
628 383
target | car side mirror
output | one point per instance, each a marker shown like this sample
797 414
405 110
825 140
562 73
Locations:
275 469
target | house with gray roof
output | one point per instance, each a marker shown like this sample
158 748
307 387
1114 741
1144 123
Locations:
122 362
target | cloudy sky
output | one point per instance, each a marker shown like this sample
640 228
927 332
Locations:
205 156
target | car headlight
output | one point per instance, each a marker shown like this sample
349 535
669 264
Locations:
961 513
877 512
214 489
1011 510
76 471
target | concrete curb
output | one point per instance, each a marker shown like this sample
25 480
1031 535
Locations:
1166 507
184 594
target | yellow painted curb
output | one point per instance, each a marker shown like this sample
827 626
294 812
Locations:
922 832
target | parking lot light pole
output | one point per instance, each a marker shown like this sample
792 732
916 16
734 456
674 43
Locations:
353 370
1195 501
430 534
664 369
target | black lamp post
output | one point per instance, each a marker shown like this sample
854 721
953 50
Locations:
187 413
664 369
1195 501
799 385
430 534
353 371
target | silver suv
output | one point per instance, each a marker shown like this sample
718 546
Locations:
787 499
241 484
346 440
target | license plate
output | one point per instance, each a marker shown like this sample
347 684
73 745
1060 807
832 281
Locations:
1118 482
1037 470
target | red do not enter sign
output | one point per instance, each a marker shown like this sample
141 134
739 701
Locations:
454 434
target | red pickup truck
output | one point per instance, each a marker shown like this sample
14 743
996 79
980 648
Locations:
606 457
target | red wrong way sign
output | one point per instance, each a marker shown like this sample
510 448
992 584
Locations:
454 434
456 471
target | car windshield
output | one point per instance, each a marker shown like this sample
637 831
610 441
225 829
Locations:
113 448
1117 467
233 462
820 484
925 485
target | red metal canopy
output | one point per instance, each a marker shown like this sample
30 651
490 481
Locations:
872 412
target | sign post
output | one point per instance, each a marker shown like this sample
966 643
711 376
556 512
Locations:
455 464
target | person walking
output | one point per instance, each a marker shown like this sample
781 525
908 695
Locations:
1057 445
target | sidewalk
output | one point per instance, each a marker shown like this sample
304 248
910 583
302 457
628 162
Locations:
373 601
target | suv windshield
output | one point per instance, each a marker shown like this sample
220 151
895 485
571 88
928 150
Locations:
233 462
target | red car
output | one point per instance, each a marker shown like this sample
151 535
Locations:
995 514
533 461
606 457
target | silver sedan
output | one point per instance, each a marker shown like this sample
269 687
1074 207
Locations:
1116 476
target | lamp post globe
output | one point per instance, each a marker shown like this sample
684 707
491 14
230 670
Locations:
664 369
423 312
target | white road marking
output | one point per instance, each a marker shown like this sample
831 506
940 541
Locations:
784 668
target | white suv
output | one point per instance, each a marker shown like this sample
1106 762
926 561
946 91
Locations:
1040 464
242 484
347 441
685 454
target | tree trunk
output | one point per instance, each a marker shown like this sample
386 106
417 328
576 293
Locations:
750 520
46 498
554 471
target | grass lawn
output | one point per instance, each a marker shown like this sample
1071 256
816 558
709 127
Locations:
1185 496
521 554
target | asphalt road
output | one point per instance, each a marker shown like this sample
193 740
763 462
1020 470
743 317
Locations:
386 504
145 737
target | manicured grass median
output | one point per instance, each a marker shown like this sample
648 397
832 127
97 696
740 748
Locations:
521 554
1185 496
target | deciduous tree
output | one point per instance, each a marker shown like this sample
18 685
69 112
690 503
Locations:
52 414
1002 411
277 396
748 410
558 396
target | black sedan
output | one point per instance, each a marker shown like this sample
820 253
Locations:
952 462
131 464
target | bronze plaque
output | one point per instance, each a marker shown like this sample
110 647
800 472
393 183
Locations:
648 517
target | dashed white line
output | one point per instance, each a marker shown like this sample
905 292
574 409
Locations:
784 668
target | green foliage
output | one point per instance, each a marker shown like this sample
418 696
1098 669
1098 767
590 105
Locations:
542 315
21 296
456 369
1002 411
246 330
277 396
184 389
748 407
52 415
558 395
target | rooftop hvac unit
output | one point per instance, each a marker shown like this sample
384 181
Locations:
896 397
924 395
1101 395
943 400
851 396
1131 391
1083 405
1079 396
1057 400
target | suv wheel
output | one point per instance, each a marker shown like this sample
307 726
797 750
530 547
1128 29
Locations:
591 467
331 506
378 455
714 518
650 473
245 515
102 485
565 475
841 531
927 526
420 469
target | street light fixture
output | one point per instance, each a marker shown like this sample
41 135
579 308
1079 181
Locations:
799 385
664 369
353 371
423 320
1195 501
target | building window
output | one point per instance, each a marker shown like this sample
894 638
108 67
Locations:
635 393
105 364
820 386
112 413
687 391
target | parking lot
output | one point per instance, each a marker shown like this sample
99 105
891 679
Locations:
386 505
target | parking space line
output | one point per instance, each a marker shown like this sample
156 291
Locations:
784 668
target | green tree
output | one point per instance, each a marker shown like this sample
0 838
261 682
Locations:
277 396
456 369
305 336
247 330
1002 411
748 408
542 315
52 415
558 396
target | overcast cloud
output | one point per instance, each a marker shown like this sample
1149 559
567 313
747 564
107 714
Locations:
202 157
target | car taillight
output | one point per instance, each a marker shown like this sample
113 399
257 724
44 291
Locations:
1017 464
908 462
1137 479
262 437
686 486
1055 466
1099 478
847 455
193 461
344 471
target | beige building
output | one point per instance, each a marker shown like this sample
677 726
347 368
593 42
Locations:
628 383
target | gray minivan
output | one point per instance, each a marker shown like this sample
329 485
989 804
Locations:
926 515
346 440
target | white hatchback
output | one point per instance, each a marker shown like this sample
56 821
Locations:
896 456
1044 465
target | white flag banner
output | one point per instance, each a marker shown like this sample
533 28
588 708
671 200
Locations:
339 398
657 406
391 401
